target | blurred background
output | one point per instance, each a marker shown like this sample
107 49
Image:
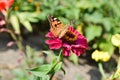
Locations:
97 20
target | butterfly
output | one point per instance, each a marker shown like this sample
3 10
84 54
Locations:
57 28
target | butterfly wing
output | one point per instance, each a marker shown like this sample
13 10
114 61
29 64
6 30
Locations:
63 31
56 26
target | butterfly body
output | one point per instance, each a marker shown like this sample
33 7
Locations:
57 27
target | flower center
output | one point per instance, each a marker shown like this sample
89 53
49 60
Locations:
69 37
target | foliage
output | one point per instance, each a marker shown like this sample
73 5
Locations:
98 20
97 17
24 12
22 75
43 71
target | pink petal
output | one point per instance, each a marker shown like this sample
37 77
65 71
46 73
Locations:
66 46
10 43
74 31
82 41
2 22
4 30
55 46
70 28
78 53
78 50
78 46
66 52
49 35
53 41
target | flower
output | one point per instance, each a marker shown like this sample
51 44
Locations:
116 40
71 41
100 56
2 21
5 4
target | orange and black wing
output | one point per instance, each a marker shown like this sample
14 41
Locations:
57 27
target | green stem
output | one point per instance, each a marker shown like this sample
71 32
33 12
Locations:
18 40
60 56
21 47
101 70
52 76
59 59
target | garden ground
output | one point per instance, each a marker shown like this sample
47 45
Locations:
9 61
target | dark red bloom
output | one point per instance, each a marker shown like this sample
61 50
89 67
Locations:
71 41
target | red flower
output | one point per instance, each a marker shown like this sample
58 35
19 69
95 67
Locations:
71 41
5 4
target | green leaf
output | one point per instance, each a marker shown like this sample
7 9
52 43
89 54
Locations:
54 62
41 70
50 53
23 17
60 57
88 4
27 25
26 8
92 32
15 23
108 23
33 17
96 17
55 66
106 46
46 78
58 67
39 74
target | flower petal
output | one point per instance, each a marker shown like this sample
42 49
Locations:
53 41
66 52
5 4
74 31
49 35
79 46
78 51
10 2
66 46
82 41
2 5
55 46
